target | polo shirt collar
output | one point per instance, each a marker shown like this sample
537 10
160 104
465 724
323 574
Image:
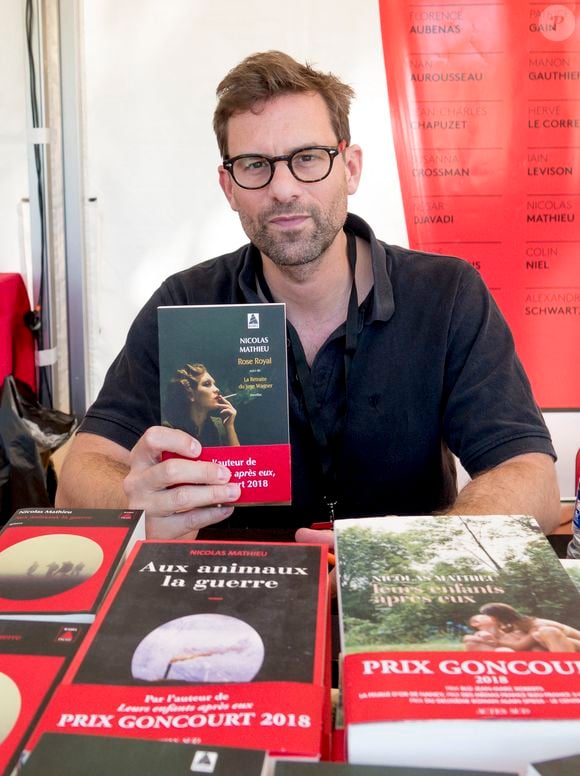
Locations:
383 303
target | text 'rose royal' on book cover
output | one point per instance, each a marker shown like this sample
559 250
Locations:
33 656
207 643
223 379
57 564
461 639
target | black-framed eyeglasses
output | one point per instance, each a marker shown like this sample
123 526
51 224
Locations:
308 165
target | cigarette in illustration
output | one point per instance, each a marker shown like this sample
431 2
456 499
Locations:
229 395
239 647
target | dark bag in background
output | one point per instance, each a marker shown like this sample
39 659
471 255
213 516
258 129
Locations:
29 433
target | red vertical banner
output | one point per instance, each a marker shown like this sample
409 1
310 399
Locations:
485 106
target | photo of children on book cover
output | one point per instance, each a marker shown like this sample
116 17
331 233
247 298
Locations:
210 613
454 583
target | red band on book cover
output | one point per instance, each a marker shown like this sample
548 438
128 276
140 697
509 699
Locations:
263 471
282 717
390 686
22 698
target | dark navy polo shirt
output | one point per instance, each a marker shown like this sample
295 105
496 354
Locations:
435 370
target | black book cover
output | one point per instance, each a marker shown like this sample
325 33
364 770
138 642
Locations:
60 754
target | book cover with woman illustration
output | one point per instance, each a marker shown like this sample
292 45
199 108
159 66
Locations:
223 379
462 623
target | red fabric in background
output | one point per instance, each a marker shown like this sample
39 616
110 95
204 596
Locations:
16 339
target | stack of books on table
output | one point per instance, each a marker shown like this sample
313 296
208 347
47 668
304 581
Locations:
55 568
33 657
460 639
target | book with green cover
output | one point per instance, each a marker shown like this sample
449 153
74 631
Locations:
467 623
223 379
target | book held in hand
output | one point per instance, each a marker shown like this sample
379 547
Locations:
219 643
461 632
57 564
33 656
223 379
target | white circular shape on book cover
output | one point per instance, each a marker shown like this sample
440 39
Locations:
48 565
10 705
199 648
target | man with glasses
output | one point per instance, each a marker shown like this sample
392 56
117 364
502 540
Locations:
395 357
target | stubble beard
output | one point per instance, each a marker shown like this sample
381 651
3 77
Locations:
299 247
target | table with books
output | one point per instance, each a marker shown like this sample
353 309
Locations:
125 656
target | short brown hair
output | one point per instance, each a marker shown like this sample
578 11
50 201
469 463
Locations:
269 74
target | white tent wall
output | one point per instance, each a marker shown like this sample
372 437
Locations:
14 184
152 204
151 74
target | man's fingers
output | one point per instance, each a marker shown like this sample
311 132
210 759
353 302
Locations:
159 439
176 472
186 524
183 491
315 536
185 498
